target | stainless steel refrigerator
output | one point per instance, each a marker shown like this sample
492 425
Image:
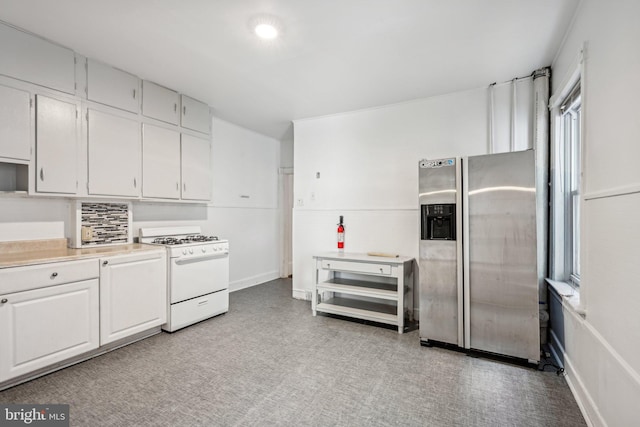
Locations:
478 264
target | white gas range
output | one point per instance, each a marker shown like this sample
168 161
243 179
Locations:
198 273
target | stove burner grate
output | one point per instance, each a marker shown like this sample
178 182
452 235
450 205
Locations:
194 238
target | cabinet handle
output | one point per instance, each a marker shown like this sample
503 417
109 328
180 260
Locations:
41 174
175 107
135 184
328 265
177 186
184 186
105 262
184 110
54 275
381 270
4 301
134 94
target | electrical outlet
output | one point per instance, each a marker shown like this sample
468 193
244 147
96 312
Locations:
87 234
300 202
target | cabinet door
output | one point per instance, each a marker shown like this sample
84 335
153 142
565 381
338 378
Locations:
48 325
195 115
56 145
160 103
31 58
114 155
133 295
14 123
110 86
196 168
160 162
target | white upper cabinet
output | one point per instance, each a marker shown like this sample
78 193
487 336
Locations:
110 86
160 103
14 123
114 155
195 115
196 168
160 162
33 59
56 145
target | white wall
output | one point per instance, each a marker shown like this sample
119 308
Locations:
32 219
368 166
602 349
244 163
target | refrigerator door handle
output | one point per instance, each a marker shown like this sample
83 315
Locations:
465 246
459 256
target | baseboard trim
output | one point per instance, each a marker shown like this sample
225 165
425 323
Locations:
258 279
581 394
300 294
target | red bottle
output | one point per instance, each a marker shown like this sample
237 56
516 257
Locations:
340 235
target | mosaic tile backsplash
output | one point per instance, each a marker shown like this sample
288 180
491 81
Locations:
109 223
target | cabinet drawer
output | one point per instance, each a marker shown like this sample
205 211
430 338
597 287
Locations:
201 308
19 279
356 267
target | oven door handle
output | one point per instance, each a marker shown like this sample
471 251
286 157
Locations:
181 261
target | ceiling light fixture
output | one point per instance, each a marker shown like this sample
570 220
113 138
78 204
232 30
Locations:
266 31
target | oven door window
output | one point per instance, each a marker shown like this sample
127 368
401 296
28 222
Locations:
191 278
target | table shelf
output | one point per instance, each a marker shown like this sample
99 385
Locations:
378 289
360 309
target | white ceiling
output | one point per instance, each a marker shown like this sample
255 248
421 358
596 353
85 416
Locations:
332 56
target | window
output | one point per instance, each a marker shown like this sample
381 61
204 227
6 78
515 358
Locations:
570 161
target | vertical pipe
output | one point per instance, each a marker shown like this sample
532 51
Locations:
491 119
541 146
514 107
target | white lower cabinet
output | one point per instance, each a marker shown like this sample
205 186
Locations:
133 294
41 327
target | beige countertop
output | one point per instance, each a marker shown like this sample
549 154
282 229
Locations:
30 252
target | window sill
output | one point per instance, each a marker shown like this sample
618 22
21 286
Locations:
570 296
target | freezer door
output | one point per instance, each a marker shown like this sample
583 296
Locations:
440 275
500 277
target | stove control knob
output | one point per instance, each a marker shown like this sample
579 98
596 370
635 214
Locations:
190 250
204 250
215 249
184 252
